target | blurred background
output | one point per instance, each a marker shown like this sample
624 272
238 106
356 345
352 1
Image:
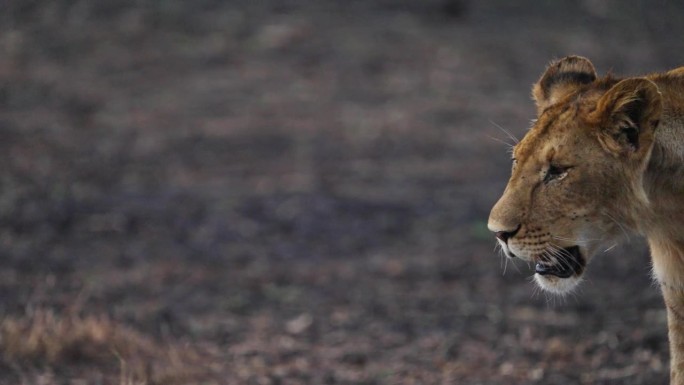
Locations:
296 192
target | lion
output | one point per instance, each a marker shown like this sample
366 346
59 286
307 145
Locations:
604 157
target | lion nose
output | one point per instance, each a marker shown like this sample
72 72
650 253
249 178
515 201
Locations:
505 235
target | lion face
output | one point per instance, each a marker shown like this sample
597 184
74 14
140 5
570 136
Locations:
576 171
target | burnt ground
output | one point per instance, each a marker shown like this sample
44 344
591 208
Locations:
292 192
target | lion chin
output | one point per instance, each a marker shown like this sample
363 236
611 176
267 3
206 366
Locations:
557 285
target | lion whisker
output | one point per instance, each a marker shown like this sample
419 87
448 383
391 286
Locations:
510 146
610 248
624 231
560 254
576 241
505 131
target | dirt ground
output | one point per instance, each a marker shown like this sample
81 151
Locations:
296 192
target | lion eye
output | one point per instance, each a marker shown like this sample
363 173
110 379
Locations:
555 172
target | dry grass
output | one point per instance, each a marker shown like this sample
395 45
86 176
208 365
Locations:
46 342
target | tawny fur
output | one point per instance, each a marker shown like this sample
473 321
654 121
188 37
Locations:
620 145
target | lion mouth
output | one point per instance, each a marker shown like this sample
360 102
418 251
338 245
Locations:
565 264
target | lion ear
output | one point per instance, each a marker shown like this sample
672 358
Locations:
562 77
628 115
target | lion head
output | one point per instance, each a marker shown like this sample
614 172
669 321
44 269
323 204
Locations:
577 178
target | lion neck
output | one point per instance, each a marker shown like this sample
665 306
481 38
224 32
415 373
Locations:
664 229
664 176
663 218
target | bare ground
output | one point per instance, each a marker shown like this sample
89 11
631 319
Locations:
290 192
